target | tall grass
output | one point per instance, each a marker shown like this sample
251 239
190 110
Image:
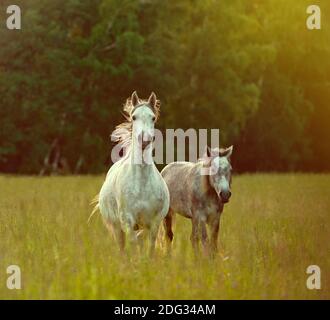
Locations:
274 227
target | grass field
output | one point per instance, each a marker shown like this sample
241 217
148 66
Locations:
274 227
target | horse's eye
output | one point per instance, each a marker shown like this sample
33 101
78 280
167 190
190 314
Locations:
153 119
134 118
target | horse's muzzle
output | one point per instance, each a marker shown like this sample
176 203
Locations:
145 139
225 196
145 144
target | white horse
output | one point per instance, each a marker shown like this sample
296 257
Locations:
134 196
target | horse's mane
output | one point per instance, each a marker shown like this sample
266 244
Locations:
123 133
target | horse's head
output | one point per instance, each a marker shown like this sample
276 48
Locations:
220 171
143 115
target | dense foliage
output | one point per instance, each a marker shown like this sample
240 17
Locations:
248 67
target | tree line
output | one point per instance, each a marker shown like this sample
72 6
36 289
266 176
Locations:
250 68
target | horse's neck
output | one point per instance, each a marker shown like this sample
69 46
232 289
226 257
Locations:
203 179
142 162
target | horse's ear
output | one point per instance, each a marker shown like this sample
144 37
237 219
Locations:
135 99
228 151
152 101
208 152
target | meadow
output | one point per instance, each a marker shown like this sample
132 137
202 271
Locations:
274 227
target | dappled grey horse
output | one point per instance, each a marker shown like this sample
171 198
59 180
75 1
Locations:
134 196
198 191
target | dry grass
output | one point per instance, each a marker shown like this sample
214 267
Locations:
274 227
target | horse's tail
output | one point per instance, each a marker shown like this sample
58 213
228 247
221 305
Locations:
95 202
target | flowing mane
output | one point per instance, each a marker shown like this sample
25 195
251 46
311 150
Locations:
123 133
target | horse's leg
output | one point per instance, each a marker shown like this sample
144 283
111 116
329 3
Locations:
117 233
203 233
141 241
195 233
152 238
120 237
131 233
168 228
214 228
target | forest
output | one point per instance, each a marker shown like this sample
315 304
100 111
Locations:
248 67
